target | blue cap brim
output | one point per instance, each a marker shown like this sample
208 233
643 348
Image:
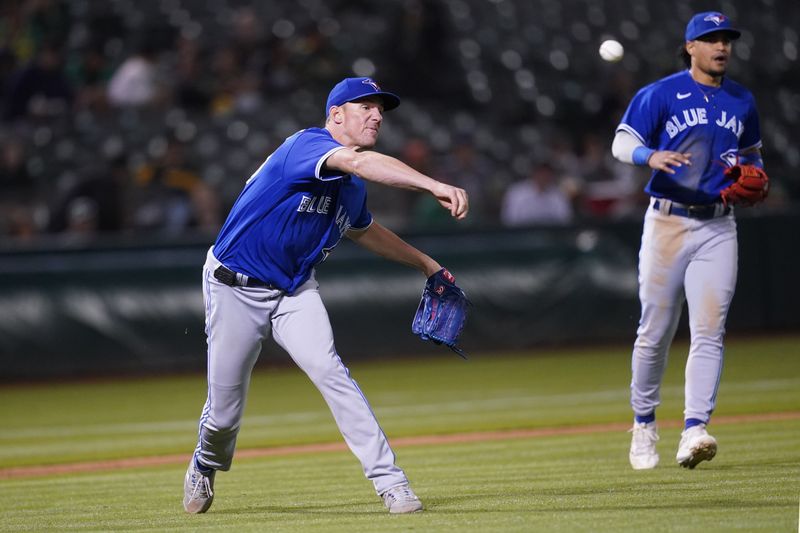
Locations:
733 31
390 101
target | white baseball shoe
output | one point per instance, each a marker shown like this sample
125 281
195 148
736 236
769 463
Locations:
198 489
696 446
401 499
643 454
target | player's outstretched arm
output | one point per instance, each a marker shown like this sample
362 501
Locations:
384 242
387 170
629 149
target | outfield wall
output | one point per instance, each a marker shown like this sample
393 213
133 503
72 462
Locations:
67 309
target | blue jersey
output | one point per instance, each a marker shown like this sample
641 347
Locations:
292 213
713 124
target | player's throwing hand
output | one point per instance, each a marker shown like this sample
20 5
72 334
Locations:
665 160
453 198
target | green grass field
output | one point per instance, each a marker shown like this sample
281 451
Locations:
553 483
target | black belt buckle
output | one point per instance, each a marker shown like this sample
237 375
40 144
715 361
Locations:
697 211
701 211
231 279
225 275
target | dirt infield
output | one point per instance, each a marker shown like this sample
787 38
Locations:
398 442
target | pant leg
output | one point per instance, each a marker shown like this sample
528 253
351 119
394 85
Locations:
237 320
710 285
301 326
662 263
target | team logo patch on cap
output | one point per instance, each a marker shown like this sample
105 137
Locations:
371 84
716 18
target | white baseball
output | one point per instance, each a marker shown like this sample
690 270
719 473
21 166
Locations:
611 50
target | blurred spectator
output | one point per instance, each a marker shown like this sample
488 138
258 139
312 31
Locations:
419 30
135 82
16 184
618 92
82 217
226 70
248 37
97 203
564 157
26 24
424 214
193 85
170 197
19 222
89 72
16 35
537 199
464 166
594 158
317 61
39 89
566 163
206 209
47 20
610 189
18 192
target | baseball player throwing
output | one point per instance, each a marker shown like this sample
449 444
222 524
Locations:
259 278
698 131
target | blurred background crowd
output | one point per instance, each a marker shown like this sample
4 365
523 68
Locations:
146 117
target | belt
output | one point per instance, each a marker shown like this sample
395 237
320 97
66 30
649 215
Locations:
701 211
234 279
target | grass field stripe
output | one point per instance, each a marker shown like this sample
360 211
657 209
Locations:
589 399
304 417
397 442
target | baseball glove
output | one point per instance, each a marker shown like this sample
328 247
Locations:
442 311
750 185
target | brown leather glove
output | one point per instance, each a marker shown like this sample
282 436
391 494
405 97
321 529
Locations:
750 185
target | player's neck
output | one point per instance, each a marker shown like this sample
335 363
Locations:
705 78
341 136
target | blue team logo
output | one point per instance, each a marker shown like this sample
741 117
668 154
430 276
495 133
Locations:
730 157
371 84
716 18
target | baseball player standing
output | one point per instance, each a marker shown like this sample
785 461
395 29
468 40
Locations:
692 128
259 278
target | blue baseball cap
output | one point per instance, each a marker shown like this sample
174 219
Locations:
351 89
709 22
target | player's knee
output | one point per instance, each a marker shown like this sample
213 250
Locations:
225 412
651 346
324 370
707 340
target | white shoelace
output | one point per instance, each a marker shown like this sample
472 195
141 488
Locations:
202 486
643 438
401 494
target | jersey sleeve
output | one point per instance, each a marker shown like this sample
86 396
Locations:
751 136
308 154
643 115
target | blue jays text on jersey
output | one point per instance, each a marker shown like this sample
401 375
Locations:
292 213
713 124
